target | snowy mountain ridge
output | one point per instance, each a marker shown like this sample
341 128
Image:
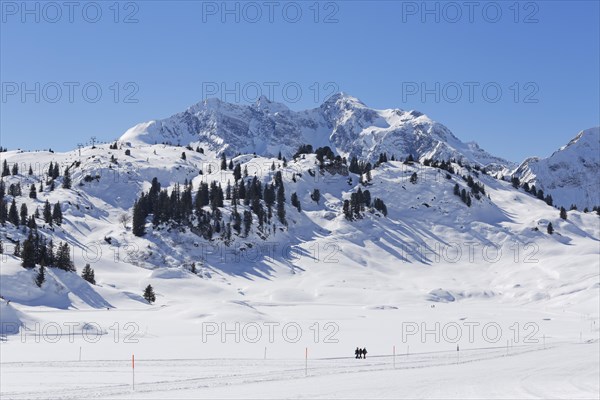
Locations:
342 122
571 174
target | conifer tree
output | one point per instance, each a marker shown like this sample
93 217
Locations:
380 205
57 215
515 182
540 194
63 258
5 169
47 213
50 253
28 252
550 228
281 204
237 220
563 213
413 178
367 198
296 202
24 214
32 192
247 222
138 220
3 212
216 195
31 224
237 172
269 195
228 190
15 189
533 190
149 294
13 215
347 210
316 195
41 276
67 179
88 274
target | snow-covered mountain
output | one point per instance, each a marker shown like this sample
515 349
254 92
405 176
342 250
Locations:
455 247
571 174
342 122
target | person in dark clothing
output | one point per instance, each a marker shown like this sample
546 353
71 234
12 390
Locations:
357 352
364 353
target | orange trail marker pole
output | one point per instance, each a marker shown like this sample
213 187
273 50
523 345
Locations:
133 371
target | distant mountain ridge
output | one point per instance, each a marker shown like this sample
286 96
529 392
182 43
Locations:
342 122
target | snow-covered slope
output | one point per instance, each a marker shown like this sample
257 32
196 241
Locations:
425 219
571 174
342 122
431 261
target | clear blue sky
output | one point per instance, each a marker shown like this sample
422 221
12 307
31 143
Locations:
379 51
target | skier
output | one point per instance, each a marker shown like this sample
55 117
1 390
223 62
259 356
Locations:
364 353
357 352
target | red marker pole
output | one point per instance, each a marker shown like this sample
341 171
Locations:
133 371
306 362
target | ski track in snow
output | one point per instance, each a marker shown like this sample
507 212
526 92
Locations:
281 372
